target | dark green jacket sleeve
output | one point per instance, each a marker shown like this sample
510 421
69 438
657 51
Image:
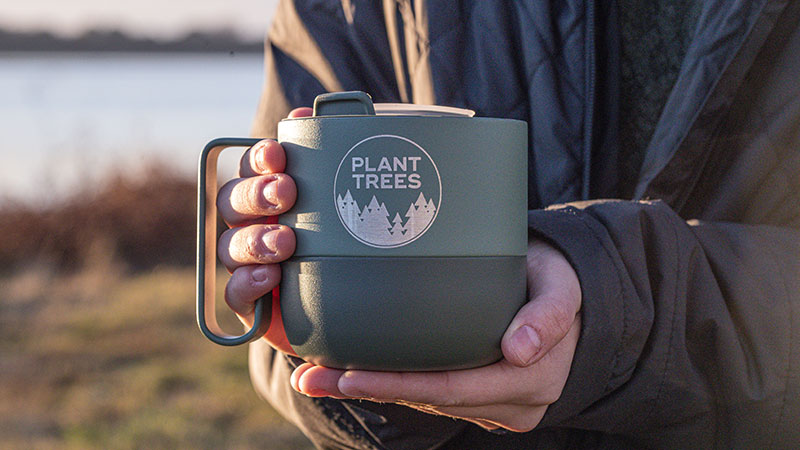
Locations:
691 331
691 328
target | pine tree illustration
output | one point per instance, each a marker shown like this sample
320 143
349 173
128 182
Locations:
375 227
430 206
349 211
397 229
420 203
372 222
374 206
411 214
419 216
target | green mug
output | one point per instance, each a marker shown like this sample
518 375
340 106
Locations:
411 235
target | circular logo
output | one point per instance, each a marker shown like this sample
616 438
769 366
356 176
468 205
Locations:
387 191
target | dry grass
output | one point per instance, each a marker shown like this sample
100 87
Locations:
98 359
99 347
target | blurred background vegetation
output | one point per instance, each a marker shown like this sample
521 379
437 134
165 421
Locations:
104 107
98 338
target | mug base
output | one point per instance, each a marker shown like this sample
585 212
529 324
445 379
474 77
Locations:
400 313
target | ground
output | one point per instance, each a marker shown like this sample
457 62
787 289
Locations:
108 358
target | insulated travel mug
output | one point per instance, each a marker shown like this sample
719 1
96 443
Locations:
411 234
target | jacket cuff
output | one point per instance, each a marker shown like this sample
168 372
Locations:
587 246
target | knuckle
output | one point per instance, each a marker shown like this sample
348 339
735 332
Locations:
239 197
240 245
267 276
252 246
248 283
273 274
257 200
272 194
267 244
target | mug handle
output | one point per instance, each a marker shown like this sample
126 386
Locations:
207 249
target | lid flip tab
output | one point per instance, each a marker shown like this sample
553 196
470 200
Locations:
357 103
350 103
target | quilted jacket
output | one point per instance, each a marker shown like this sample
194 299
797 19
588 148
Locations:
691 289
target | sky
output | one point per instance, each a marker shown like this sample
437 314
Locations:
115 110
144 18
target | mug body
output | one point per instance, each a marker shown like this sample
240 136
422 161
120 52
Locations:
411 239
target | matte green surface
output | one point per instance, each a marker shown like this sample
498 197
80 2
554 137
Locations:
400 313
483 168
411 237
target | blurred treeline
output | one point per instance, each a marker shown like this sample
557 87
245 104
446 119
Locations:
116 41
140 223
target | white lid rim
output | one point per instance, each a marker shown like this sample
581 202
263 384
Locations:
411 109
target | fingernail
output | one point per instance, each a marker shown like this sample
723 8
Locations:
348 386
270 240
271 192
260 157
317 393
525 344
260 274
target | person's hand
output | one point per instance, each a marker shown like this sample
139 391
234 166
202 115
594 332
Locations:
514 393
252 248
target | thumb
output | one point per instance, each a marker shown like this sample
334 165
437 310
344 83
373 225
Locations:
303 111
550 313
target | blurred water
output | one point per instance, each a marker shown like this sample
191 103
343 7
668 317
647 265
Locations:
67 119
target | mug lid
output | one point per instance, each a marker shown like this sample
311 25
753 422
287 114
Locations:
357 103
410 109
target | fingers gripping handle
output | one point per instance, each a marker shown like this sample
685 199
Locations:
207 249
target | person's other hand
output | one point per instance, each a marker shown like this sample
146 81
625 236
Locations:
514 393
252 248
